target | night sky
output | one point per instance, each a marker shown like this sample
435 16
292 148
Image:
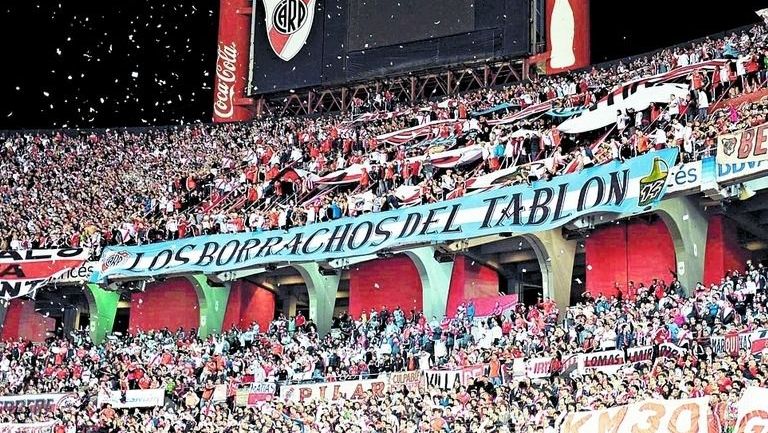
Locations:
621 29
137 63
108 63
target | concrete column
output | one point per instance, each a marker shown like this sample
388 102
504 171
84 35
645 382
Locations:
213 304
322 291
3 312
291 305
687 224
555 255
435 280
77 319
70 319
102 308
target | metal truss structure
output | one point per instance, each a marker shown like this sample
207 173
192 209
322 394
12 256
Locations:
411 87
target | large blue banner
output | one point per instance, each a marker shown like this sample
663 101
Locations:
634 186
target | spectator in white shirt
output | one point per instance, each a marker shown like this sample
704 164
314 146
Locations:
703 103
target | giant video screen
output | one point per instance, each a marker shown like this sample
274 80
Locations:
300 44
377 23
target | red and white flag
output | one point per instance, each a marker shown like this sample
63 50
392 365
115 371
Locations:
23 272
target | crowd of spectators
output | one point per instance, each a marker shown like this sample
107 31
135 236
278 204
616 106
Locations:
386 340
122 186
74 188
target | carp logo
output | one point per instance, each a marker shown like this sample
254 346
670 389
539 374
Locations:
288 25
728 143
114 260
652 186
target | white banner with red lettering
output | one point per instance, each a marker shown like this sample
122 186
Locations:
640 354
534 368
752 414
254 394
609 361
37 403
332 391
745 145
409 379
23 272
32 427
652 416
732 343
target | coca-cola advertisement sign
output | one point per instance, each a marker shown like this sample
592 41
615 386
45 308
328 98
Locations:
230 102
226 74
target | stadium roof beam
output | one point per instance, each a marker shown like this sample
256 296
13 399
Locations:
237 275
465 244
351 261
526 255
748 224
440 82
756 204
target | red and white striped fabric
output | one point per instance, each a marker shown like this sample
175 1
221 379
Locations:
405 135
526 112
348 175
456 157
379 115
408 195
452 158
631 87
684 71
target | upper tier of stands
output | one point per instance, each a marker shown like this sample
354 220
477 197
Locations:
126 186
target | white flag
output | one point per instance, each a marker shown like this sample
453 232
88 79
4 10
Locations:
763 13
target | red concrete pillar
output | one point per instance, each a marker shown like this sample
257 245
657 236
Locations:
471 280
630 251
168 304
22 321
723 250
390 282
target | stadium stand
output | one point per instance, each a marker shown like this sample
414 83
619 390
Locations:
160 184
523 369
